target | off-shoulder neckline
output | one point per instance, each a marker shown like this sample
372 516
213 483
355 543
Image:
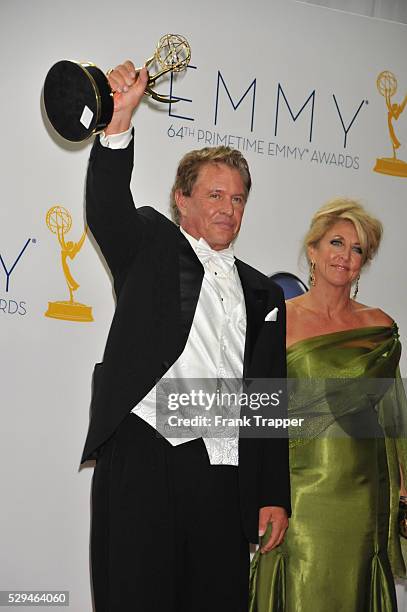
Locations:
393 326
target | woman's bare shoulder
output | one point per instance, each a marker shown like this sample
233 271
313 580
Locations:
298 314
295 303
373 316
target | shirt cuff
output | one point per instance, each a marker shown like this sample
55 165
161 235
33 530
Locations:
116 141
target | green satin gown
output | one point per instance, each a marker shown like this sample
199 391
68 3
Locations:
342 547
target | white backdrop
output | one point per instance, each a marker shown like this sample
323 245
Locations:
279 48
395 10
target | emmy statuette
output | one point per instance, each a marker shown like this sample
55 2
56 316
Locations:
59 222
387 87
79 100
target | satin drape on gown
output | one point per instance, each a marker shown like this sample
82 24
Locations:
342 547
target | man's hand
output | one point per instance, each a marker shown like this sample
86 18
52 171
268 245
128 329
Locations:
277 517
128 86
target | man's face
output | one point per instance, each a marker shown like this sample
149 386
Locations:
215 207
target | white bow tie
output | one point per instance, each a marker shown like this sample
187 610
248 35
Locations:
224 259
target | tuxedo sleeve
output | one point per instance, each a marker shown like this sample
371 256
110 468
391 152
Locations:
118 228
275 475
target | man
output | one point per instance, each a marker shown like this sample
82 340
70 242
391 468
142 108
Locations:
171 520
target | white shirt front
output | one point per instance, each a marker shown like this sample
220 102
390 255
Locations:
215 345
214 349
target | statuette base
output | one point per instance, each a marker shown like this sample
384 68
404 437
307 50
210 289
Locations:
391 166
69 311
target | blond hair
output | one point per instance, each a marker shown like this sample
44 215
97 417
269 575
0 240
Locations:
368 228
191 163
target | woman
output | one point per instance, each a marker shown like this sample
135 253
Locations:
342 547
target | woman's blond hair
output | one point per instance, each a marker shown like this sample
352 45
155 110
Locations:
368 228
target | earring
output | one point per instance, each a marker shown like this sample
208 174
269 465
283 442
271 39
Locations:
312 273
356 289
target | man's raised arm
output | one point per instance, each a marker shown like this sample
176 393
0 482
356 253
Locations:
110 210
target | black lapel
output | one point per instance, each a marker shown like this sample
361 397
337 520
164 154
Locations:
256 297
191 273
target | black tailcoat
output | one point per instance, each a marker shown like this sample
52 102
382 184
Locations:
157 281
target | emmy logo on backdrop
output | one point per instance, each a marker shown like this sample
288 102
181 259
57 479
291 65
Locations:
387 87
59 222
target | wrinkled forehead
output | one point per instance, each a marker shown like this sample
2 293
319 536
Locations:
214 174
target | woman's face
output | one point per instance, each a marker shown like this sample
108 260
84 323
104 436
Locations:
338 255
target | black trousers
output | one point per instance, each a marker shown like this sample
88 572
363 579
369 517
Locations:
166 527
